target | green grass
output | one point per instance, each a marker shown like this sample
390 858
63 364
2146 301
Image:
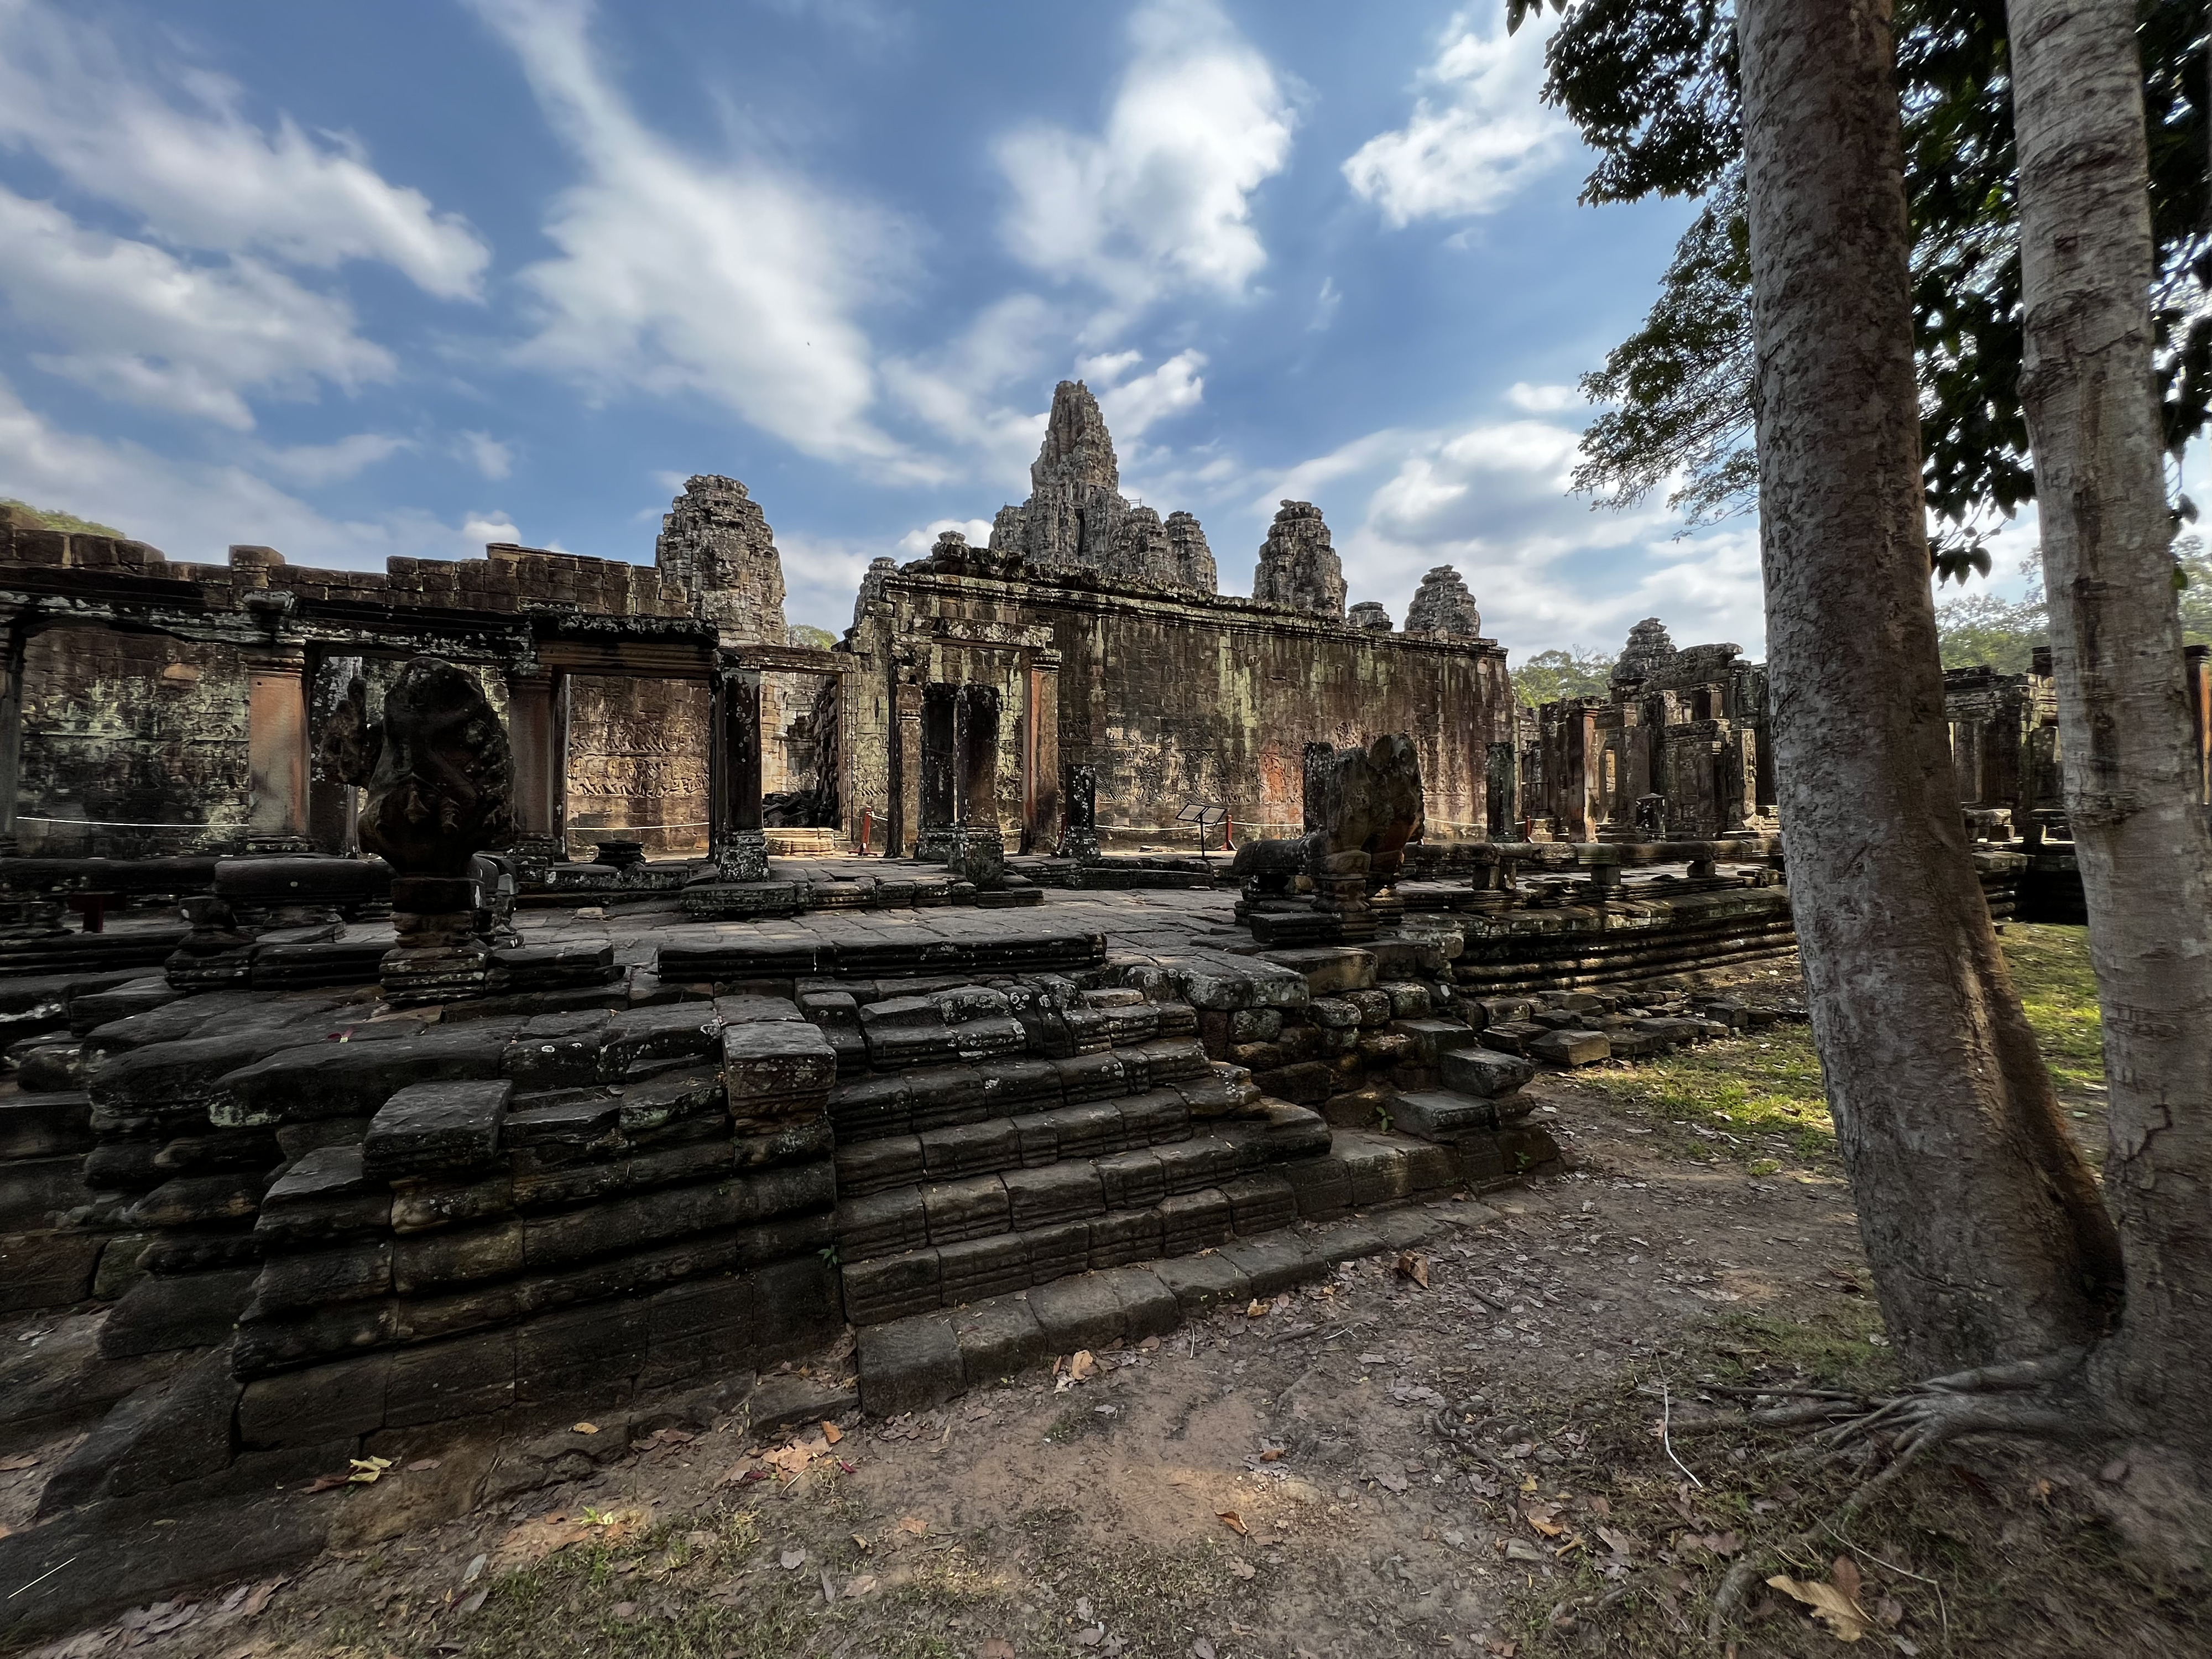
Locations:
1759 1098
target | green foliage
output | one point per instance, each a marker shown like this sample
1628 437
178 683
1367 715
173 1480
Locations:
1982 630
1550 675
12 508
806 634
1652 86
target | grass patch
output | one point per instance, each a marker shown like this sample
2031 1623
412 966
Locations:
1760 1099
2050 968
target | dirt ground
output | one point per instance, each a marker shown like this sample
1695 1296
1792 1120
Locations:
1472 1464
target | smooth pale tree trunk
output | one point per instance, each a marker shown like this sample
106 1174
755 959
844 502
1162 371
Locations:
2131 779
1983 1223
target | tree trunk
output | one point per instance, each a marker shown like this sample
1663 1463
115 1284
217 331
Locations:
2139 831
1983 1224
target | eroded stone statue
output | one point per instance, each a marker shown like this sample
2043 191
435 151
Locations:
442 788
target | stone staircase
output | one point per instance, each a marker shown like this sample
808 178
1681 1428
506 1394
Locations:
1028 1167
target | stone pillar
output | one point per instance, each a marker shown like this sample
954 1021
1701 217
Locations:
1079 839
977 849
905 828
11 733
1041 801
736 845
1502 792
540 776
277 748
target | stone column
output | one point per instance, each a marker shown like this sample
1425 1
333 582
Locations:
277 748
1041 802
977 850
1502 792
11 732
905 828
736 845
539 776
1079 840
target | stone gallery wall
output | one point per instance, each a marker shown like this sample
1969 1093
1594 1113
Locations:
131 729
638 762
1169 697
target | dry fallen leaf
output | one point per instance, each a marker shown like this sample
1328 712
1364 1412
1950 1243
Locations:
997 1647
832 1432
1412 1264
914 1525
1272 1454
1260 1308
585 1428
1235 1522
367 1471
1538 1515
1081 1364
1844 1576
1830 1605
1621 1543
422 1465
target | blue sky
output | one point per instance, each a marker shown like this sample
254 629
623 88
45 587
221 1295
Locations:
354 281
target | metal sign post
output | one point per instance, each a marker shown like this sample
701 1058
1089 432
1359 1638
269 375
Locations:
1204 818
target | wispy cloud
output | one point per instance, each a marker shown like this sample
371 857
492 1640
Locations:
175 150
727 279
1160 200
1479 131
139 324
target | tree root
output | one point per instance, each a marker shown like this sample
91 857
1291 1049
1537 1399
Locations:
2029 1400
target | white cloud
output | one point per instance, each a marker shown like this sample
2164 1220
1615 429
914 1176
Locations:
321 464
973 390
491 458
1161 199
1542 399
916 544
1492 499
194 512
200 174
484 528
1132 406
732 282
141 325
1477 134
821 577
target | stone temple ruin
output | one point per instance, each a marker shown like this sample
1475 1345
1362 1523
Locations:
445 1001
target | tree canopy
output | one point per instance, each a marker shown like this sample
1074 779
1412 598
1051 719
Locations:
1550 675
1653 87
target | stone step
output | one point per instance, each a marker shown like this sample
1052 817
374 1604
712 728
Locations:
890 1287
916 1101
1108 1162
919 1361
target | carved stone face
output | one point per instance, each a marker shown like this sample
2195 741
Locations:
443 789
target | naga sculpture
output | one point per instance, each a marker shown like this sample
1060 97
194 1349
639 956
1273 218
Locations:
442 789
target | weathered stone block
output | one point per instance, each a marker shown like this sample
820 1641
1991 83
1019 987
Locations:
998 1337
1442 1117
1198 1283
331 1401
1484 1071
438 1261
461 1376
957 1210
1572 1048
891 1287
909 1366
978 1267
1079 1312
1273 1265
429 1128
192 1311
1195 1221
1055 1194
881 1224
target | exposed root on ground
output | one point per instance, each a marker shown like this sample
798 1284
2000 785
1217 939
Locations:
2033 1400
